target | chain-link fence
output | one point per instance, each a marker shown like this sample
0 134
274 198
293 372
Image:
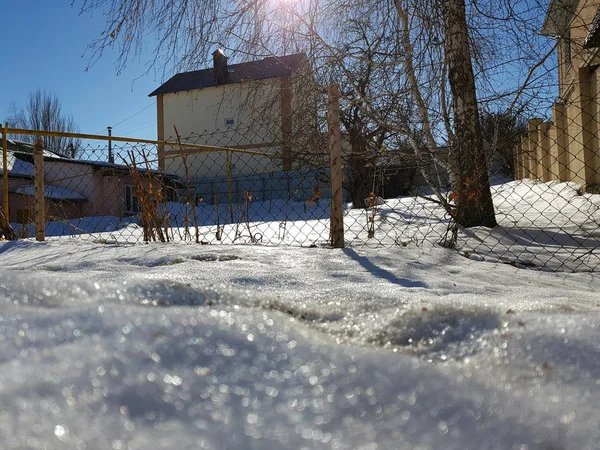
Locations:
245 185
543 180
221 186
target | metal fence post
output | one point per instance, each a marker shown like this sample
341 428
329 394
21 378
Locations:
5 169
40 213
111 158
335 159
228 161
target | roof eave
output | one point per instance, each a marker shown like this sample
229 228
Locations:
558 16
161 90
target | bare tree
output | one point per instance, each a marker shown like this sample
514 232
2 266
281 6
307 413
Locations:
43 112
414 70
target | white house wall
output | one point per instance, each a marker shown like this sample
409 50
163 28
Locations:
204 111
200 116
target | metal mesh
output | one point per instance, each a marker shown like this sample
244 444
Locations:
245 185
545 184
226 186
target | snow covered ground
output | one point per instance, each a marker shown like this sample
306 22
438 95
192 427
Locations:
109 345
547 226
251 347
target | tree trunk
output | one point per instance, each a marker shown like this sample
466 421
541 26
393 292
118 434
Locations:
474 205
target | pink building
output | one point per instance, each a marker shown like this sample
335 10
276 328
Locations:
73 188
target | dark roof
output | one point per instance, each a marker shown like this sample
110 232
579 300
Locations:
96 165
558 17
274 66
24 151
29 148
593 38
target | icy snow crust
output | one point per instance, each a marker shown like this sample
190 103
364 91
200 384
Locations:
249 347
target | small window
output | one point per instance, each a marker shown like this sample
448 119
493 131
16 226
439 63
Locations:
229 123
132 206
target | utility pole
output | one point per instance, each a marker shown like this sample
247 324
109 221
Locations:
111 158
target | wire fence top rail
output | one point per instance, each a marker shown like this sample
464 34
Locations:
182 145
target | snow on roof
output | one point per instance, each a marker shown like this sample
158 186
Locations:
17 167
52 192
122 167
28 148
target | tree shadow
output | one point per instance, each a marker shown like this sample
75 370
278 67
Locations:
382 273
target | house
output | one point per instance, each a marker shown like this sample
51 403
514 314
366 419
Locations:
266 106
73 188
567 149
59 201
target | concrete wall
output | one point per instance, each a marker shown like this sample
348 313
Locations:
110 200
565 149
105 192
568 147
21 209
74 177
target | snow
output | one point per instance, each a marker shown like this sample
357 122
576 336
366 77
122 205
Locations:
53 192
84 227
163 346
17 167
547 226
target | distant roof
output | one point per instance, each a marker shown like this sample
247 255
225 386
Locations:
120 168
28 148
558 16
593 38
274 66
20 162
18 168
53 192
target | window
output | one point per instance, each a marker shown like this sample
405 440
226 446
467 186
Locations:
229 123
132 206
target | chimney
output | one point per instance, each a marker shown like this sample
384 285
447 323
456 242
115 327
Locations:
220 73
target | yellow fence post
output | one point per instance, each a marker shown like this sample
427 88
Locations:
534 155
559 143
519 158
545 163
5 169
160 121
581 146
40 213
525 157
335 159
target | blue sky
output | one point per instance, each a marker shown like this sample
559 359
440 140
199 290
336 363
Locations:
44 47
